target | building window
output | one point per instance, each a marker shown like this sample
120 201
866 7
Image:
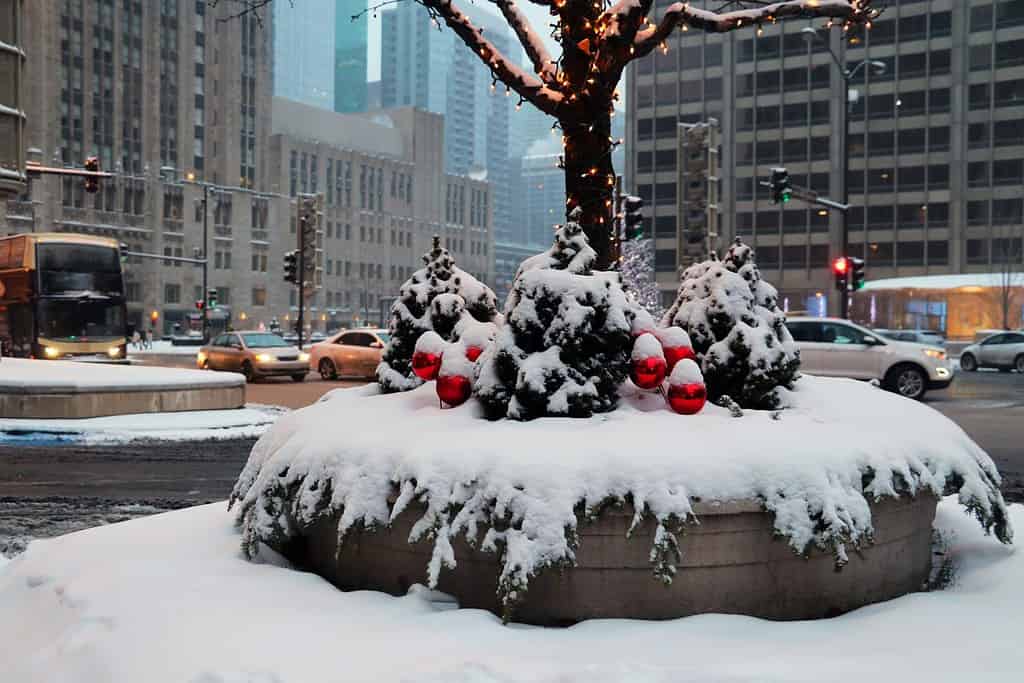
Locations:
259 296
172 294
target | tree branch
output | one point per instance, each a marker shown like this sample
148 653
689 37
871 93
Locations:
680 13
531 42
527 86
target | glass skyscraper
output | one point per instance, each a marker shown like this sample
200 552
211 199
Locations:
304 45
350 52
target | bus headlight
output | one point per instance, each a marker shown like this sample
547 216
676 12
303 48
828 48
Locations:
264 358
51 352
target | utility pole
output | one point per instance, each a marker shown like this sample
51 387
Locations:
844 147
206 260
309 207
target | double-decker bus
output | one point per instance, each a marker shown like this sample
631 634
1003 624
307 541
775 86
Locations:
62 296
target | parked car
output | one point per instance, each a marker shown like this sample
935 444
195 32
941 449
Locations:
835 347
254 354
1004 350
349 353
928 337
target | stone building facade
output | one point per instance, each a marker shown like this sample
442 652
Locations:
936 141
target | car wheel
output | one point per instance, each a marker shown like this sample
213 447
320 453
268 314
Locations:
908 381
327 369
1019 363
250 374
298 378
968 363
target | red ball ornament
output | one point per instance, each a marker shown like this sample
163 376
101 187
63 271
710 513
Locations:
453 389
426 365
674 354
687 399
473 352
648 373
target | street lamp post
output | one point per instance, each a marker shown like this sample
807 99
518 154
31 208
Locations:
205 260
847 76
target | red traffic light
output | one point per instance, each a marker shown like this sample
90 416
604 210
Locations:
841 266
92 185
200 305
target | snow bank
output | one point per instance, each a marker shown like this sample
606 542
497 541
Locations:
815 466
24 375
240 423
168 599
164 348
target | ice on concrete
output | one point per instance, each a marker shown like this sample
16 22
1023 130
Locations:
169 598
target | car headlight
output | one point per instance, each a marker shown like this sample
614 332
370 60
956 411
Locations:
200 357
114 351
51 352
303 357
264 358
935 353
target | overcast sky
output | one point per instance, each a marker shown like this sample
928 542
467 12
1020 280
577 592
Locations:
539 18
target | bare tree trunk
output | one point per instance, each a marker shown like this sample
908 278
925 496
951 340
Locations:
589 181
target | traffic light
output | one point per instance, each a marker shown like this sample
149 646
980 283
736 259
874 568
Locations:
291 267
841 271
856 273
200 305
782 191
92 185
211 297
633 218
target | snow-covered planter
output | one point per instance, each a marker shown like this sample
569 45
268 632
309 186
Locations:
528 493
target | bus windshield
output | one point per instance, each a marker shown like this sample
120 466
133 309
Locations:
80 320
66 267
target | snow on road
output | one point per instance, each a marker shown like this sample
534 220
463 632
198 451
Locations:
165 348
169 598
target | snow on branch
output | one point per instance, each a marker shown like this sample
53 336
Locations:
527 86
683 14
532 43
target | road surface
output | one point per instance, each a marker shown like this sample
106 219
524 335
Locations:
48 489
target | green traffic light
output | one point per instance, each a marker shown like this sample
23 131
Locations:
786 196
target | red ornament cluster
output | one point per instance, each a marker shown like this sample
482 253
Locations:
426 365
653 362
453 389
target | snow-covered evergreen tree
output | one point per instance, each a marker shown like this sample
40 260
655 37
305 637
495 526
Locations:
437 297
566 342
737 329
637 270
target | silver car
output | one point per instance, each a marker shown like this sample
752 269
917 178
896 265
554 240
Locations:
1004 350
254 354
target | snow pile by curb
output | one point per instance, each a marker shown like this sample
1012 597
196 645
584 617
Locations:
168 599
516 489
199 425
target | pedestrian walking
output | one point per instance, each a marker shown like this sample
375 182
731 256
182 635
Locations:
149 338
136 340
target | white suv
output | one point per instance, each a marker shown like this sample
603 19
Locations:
838 348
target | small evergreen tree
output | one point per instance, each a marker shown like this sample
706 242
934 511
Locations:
437 297
737 329
565 346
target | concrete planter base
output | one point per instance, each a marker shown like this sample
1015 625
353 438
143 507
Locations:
732 563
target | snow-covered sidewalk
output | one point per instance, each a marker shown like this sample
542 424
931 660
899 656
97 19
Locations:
21 375
169 598
238 423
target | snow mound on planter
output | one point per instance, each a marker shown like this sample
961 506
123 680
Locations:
525 487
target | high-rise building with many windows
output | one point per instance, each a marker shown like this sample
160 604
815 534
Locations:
350 41
170 96
433 70
936 141
304 46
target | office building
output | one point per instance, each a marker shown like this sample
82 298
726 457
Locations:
350 43
936 142
304 50
12 118
434 70
385 197
145 87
